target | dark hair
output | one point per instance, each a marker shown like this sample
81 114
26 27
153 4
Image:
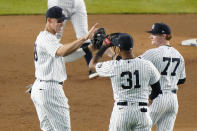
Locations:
55 12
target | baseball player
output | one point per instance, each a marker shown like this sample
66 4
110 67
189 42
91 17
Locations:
49 56
170 64
130 78
75 10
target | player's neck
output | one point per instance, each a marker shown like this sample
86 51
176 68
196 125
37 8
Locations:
49 29
166 43
127 55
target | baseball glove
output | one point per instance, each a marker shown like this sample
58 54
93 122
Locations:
98 38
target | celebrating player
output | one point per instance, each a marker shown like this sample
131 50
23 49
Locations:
47 91
75 10
130 78
170 64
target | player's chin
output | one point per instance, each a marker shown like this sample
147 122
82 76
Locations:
58 30
153 42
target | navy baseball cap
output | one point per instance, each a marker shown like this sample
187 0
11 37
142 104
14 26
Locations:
160 28
55 12
122 40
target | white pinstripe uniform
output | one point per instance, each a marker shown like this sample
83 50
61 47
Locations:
170 64
47 91
75 10
130 79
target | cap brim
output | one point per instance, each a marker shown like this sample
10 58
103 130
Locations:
63 18
151 32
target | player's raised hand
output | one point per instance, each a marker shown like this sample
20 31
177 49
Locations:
91 31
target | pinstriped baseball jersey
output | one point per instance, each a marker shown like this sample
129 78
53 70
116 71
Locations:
169 63
130 78
48 66
47 91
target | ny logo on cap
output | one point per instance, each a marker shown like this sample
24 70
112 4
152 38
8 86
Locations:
153 26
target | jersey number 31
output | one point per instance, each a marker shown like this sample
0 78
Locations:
128 74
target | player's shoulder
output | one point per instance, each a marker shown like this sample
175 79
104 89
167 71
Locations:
151 52
144 61
106 65
147 65
176 53
112 62
176 50
46 36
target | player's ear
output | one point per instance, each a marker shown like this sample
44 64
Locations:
164 35
49 20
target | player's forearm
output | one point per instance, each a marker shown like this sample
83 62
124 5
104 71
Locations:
95 59
69 48
74 56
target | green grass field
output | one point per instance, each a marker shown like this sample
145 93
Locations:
9 7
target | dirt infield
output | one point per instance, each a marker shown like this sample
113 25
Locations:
91 101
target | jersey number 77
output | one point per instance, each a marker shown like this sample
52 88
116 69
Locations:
169 61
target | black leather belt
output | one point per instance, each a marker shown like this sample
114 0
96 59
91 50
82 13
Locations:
61 83
125 103
169 91
174 91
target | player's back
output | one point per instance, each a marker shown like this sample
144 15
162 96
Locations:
131 78
170 64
